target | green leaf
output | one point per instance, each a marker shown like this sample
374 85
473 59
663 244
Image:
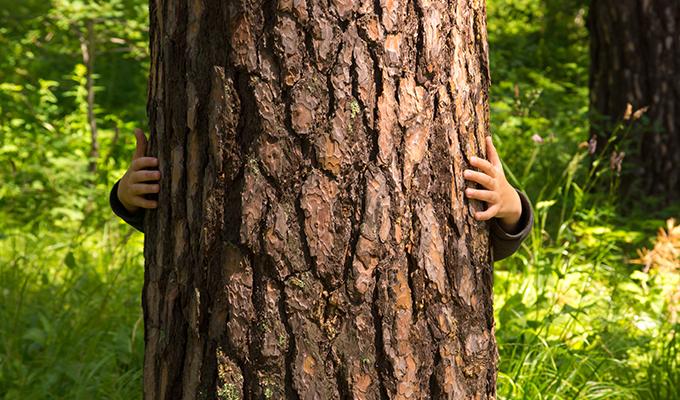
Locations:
70 260
36 336
545 204
639 275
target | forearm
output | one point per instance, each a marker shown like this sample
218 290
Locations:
505 243
511 221
135 219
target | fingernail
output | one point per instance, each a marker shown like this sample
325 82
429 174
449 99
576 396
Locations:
156 175
473 160
154 161
466 174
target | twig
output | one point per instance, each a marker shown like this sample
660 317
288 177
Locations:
116 136
88 57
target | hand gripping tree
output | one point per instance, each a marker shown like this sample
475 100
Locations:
312 239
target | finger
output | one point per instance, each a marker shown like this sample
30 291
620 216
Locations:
140 150
144 162
140 189
483 165
486 215
483 179
483 195
491 152
144 176
143 203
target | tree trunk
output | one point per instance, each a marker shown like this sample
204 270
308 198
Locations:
635 59
312 239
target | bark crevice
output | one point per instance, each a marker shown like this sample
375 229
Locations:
382 365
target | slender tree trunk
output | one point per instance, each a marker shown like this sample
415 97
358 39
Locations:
635 59
88 49
312 239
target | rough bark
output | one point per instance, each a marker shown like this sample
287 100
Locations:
635 59
312 239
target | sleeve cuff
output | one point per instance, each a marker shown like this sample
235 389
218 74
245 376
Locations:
134 219
505 244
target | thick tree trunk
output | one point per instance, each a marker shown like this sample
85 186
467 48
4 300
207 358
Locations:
635 58
312 239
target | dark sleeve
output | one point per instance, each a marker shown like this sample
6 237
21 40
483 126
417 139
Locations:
136 219
502 243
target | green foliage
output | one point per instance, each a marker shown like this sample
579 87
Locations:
575 320
71 317
70 272
539 74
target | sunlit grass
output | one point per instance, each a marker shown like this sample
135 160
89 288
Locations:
576 317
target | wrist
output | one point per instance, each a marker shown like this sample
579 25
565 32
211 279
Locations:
510 220
129 207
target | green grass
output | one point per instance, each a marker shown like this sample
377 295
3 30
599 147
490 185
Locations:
575 319
70 314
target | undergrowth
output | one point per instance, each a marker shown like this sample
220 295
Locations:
577 316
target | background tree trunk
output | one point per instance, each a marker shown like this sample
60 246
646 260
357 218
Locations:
635 58
312 239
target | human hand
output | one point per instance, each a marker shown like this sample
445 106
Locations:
134 184
501 198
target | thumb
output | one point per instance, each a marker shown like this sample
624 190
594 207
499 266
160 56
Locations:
491 152
140 150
